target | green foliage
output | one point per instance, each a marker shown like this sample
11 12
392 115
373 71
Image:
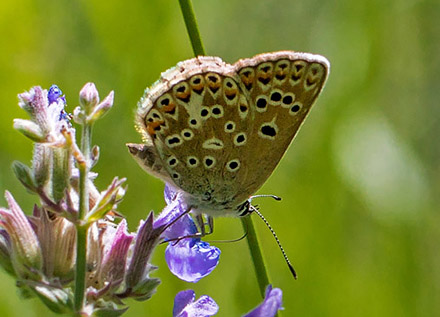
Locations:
359 216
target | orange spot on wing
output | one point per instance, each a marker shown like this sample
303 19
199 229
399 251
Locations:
169 108
152 127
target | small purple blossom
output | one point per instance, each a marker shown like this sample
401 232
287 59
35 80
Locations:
190 259
271 304
55 94
91 108
47 116
185 305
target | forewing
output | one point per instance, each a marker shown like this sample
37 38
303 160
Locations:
281 88
198 120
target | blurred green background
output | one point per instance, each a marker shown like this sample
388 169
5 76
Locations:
360 185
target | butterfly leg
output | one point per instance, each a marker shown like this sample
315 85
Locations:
202 225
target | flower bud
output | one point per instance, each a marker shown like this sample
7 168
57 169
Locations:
25 252
88 97
29 129
101 109
24 175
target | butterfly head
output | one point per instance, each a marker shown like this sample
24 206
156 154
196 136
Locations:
247 208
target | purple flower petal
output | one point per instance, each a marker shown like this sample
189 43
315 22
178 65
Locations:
168 214
183 299
170 193
54 93
113 264
270 305
146 240
185 306
191 259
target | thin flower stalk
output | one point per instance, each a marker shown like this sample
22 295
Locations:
254 248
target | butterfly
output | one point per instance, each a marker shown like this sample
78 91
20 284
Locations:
217 131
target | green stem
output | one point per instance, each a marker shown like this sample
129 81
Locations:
86 138
81 253
191 27
81 228
254 247
257 257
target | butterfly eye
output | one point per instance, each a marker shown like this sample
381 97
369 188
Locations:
217 111
209 161
261 103
173 140
268 130
297 71
233 165
230 126
243 110
192 161
194 123
240 139
264 73
214 82
165 101
247 76
205 113
230 91
182 92
275 97
172 161
287 100
295 108
314 74
167 105
187 134
282 70
197 84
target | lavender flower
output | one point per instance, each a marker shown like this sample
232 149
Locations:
190 259
186 306
45 111
40 250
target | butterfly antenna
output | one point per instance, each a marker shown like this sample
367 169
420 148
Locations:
271 196
275 235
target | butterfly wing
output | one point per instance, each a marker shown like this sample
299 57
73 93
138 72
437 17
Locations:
281 88
217 130
197 119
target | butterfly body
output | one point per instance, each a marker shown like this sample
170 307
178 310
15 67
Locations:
217 131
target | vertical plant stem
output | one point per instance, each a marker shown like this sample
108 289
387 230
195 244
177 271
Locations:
257 257
191 27
80 274
81 228
254 247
